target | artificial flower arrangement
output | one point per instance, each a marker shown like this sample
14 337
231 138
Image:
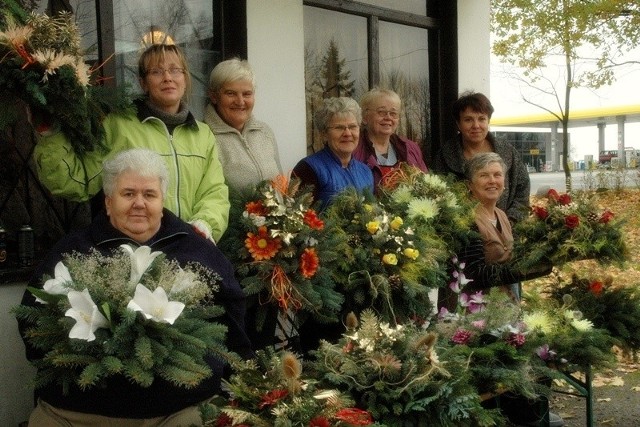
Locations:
384 263
270 391
486 329
615 309
565 228
134 314
283 251
42 64
396 373
429 201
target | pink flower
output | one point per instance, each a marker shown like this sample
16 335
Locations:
474 303
516 340
479 324
461 336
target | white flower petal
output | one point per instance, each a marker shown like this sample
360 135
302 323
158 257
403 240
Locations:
155 305
141 259
86 314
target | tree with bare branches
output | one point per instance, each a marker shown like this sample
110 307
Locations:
588 38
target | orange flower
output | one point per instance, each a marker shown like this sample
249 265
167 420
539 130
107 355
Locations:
354 416
256 208
309 262
261 245
312 220
272 397
596 287
280 183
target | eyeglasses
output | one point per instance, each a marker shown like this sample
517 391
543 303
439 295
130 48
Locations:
342 128
384 113
159 72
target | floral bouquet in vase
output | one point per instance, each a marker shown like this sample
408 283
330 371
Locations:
565 228
385 264
270 390
133 314
283 251
42 64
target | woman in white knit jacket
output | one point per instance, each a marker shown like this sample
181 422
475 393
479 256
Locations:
247 147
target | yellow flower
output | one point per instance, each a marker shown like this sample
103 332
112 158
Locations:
367 207
390 259
411 253
396 223
373 226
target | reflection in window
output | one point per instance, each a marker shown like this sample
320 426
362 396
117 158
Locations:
404 67
335 61
188 23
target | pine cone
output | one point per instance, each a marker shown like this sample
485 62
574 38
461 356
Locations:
394 281
592 217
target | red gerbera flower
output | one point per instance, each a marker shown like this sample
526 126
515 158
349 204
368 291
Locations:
309 262
606 217
541 212
261 245
564 199
224 420
553 194
272 397
312 220
319 422
354 416
257 208
572 221
596 287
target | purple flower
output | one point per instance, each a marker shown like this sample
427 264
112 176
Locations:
545 354
474 303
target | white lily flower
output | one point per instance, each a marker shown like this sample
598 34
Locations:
155 305
57 285
86 314
141 259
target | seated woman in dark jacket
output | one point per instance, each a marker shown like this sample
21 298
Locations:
135 183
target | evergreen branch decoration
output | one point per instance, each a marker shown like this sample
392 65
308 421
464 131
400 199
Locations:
42 65
120 336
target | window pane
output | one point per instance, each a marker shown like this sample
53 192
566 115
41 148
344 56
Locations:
419 7
404 67
335 60
187 23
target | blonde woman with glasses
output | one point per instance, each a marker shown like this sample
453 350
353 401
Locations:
379 146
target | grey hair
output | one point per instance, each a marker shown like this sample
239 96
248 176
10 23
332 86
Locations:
143 162
480 161
376 93
336 106
230 70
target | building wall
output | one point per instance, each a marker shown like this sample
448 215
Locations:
276 52
474 45
275 39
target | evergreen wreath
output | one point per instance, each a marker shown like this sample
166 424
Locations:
565 228
384 264
271 390
134 314
396 373
42 65
613 308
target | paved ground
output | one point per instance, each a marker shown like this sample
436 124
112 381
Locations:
616 401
